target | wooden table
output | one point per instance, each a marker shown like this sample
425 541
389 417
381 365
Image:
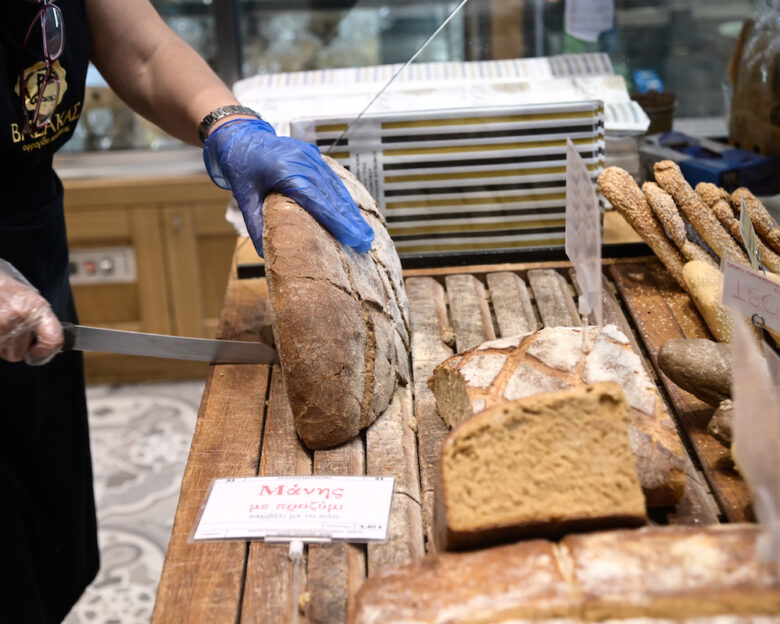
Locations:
245 428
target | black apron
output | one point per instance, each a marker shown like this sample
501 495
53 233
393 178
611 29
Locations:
47 520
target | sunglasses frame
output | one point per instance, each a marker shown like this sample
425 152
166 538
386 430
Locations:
35 122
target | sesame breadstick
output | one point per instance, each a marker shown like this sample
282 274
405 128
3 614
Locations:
766 227
664 208
719 202
624 194
670 178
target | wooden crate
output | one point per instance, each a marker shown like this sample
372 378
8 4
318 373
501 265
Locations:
245 428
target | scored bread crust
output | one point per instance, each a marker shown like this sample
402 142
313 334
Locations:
552 359
340 318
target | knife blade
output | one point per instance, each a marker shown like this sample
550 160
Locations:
82 338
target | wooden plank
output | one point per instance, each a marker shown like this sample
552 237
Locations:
471 320
554 299
202 582
656 322
428 311
512 304
153 297
697 506
392 451
182 261
267 592
335 571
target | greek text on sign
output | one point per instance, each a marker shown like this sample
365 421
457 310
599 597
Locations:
297 507
752 294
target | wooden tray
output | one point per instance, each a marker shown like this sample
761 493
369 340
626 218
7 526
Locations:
245 428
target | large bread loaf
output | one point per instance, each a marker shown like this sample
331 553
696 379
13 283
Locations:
552 359
675 573
340 318
541 466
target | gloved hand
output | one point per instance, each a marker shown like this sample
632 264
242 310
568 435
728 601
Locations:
247 157
26 318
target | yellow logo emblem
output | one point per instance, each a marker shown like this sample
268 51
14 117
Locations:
52 95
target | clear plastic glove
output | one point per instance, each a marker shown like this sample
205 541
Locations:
246 157
29 330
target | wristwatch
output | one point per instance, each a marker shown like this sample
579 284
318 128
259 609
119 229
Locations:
220 113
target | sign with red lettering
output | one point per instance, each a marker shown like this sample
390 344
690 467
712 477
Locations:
752 294
306 508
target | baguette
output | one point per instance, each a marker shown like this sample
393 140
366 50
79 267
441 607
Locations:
627 198
766 227
671 179
664 208
719 202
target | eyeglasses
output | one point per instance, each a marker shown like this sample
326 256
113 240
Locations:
39 88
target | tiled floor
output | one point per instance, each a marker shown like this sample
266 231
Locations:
140 440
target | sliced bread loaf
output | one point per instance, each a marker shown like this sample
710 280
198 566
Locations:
553 359
540 466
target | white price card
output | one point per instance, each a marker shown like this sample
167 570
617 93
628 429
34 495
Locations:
306 508
752 294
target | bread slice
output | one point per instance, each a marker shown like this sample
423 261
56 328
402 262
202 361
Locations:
553 359
651 575
545 465
340 318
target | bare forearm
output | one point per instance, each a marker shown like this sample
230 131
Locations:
152 69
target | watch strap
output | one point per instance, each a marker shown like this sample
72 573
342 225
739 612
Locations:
220 113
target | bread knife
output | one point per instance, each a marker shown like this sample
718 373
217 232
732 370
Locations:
81 338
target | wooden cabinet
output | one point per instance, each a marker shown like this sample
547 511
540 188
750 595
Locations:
182 247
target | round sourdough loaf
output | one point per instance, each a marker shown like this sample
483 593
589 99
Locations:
553 359
340 318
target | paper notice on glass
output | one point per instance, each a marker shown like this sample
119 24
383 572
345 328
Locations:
583 233
306 508
587 19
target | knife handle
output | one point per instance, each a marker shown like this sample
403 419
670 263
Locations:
69 333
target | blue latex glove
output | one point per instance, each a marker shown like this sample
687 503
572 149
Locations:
246 157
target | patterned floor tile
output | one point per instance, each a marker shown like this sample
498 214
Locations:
140 438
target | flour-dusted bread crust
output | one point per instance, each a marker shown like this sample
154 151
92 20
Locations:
652 575
522 580
340 318
540 466
552 359
673 571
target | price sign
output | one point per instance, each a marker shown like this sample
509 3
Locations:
752 294
583 232
749 237
318 508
